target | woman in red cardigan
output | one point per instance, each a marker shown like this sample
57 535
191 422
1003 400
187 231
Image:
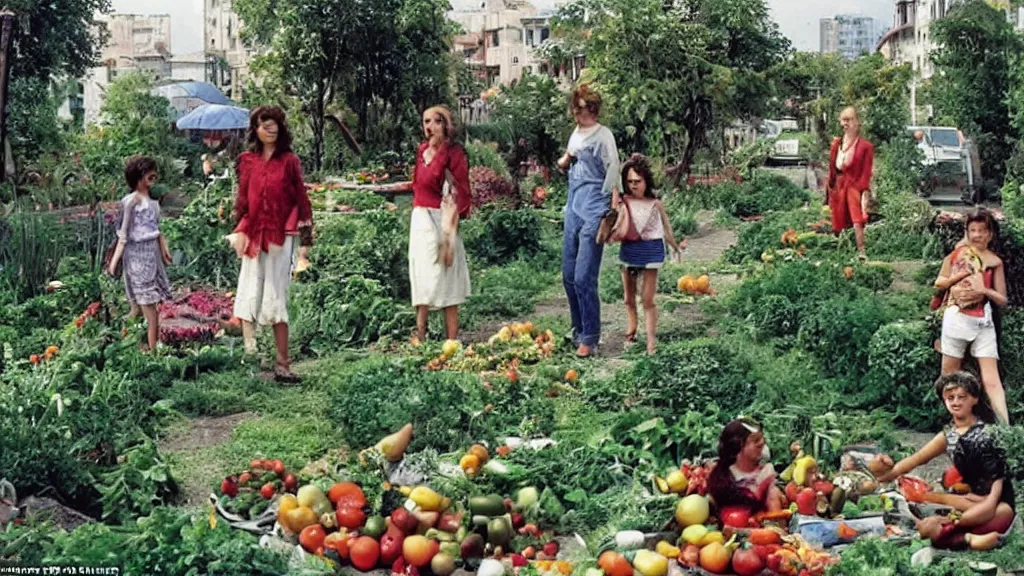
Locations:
270 193
849 177
435 283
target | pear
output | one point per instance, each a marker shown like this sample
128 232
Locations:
393 446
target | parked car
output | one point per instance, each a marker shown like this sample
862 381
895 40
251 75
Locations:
953 170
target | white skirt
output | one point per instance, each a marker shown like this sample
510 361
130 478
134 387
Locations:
432 283
263 283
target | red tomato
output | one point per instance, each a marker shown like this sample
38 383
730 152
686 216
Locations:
350 517
349 492
747 563
278 467
405 521
291 483
244 478
391 547
312 537
268 490
364 553
735 516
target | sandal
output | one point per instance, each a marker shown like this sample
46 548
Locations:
631 337
862 256
585 351
284 375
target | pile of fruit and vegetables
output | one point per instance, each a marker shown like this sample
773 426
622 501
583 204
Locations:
410 529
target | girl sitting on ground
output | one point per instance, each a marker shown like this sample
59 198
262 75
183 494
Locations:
987 510
742 478
643 254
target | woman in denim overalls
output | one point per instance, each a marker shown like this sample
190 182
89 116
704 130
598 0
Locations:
592 161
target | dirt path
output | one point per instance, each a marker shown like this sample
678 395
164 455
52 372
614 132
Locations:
198 434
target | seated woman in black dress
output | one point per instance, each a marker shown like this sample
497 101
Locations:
987 510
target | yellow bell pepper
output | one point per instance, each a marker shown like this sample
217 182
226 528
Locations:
426 499
667 550
649 563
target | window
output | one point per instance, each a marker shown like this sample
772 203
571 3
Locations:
529 37
515 60
494 39
544 33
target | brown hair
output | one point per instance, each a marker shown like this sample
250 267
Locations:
985 217
590 98
284 136
642 166
969 384
446 118
136 168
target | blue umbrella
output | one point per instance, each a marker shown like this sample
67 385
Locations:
215 117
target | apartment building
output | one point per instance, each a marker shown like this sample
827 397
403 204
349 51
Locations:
227 58
899 44
849 34
501 38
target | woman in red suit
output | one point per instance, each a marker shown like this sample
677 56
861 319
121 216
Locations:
849 178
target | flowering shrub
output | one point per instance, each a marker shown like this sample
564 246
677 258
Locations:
489 188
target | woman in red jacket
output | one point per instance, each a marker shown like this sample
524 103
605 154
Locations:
851 161
270 190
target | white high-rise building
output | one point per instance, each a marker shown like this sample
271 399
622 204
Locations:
850 35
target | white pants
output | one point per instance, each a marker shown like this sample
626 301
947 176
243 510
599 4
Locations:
960 331
263 283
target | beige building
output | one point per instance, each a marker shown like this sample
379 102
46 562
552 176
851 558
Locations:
223 44
137 42
899 44
501 38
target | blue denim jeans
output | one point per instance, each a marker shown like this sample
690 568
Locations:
581 266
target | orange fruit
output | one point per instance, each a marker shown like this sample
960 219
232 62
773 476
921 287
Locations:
287 503
702 284
480 451
686 285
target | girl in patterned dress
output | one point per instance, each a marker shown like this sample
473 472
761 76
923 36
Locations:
143 247
986 511
644 253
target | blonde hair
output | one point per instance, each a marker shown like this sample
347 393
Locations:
851 112
446 117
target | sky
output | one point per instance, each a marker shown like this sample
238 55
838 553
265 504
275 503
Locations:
798 19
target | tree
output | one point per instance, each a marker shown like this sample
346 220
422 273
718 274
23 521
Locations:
384 59
970 89
133 121
536 112
55 39
674 71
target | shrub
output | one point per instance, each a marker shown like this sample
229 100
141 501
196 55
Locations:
681 376
902 370
349 311
489 188
196 237
874 277
372 244
441 405
838 333
486 155
504 235
779 299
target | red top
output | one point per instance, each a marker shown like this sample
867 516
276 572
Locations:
428 179
857 171
268 192
987 276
